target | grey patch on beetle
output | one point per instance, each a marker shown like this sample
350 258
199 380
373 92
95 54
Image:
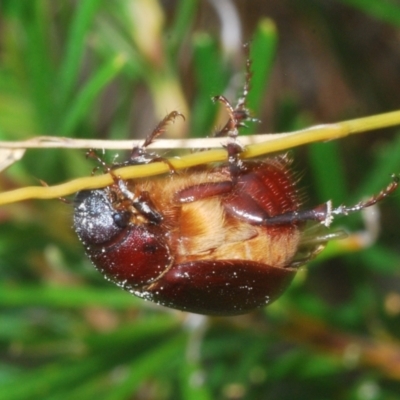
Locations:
93 217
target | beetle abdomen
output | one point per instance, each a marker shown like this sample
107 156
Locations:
229 287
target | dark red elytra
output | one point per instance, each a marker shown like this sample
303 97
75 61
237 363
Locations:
216 240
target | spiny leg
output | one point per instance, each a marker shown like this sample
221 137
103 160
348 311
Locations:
141 203
240 113
139 154
92 154
162 127
324 213
118 188
231 130
237 117
345 210
232 147
231 127
119 185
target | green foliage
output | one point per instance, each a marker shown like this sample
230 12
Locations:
89 69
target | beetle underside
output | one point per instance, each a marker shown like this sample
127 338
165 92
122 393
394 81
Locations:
216 240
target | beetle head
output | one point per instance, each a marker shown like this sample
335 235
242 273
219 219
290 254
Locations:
95 220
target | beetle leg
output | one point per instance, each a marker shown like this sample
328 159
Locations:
146 207
231 127
324 213
237 117
239 114
233 147
139 155
202 191
234 161
142 203
92 154
345 210
243 206
161 127
326 216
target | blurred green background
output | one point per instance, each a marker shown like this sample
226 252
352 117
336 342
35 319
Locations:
113 69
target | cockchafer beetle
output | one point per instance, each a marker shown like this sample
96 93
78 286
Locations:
217 239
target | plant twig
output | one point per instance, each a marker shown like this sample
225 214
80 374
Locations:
276 141
256 145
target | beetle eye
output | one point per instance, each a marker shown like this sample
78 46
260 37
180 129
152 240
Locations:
121 219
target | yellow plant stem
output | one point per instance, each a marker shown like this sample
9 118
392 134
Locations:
272 143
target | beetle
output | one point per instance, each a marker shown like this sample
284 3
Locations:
219 239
